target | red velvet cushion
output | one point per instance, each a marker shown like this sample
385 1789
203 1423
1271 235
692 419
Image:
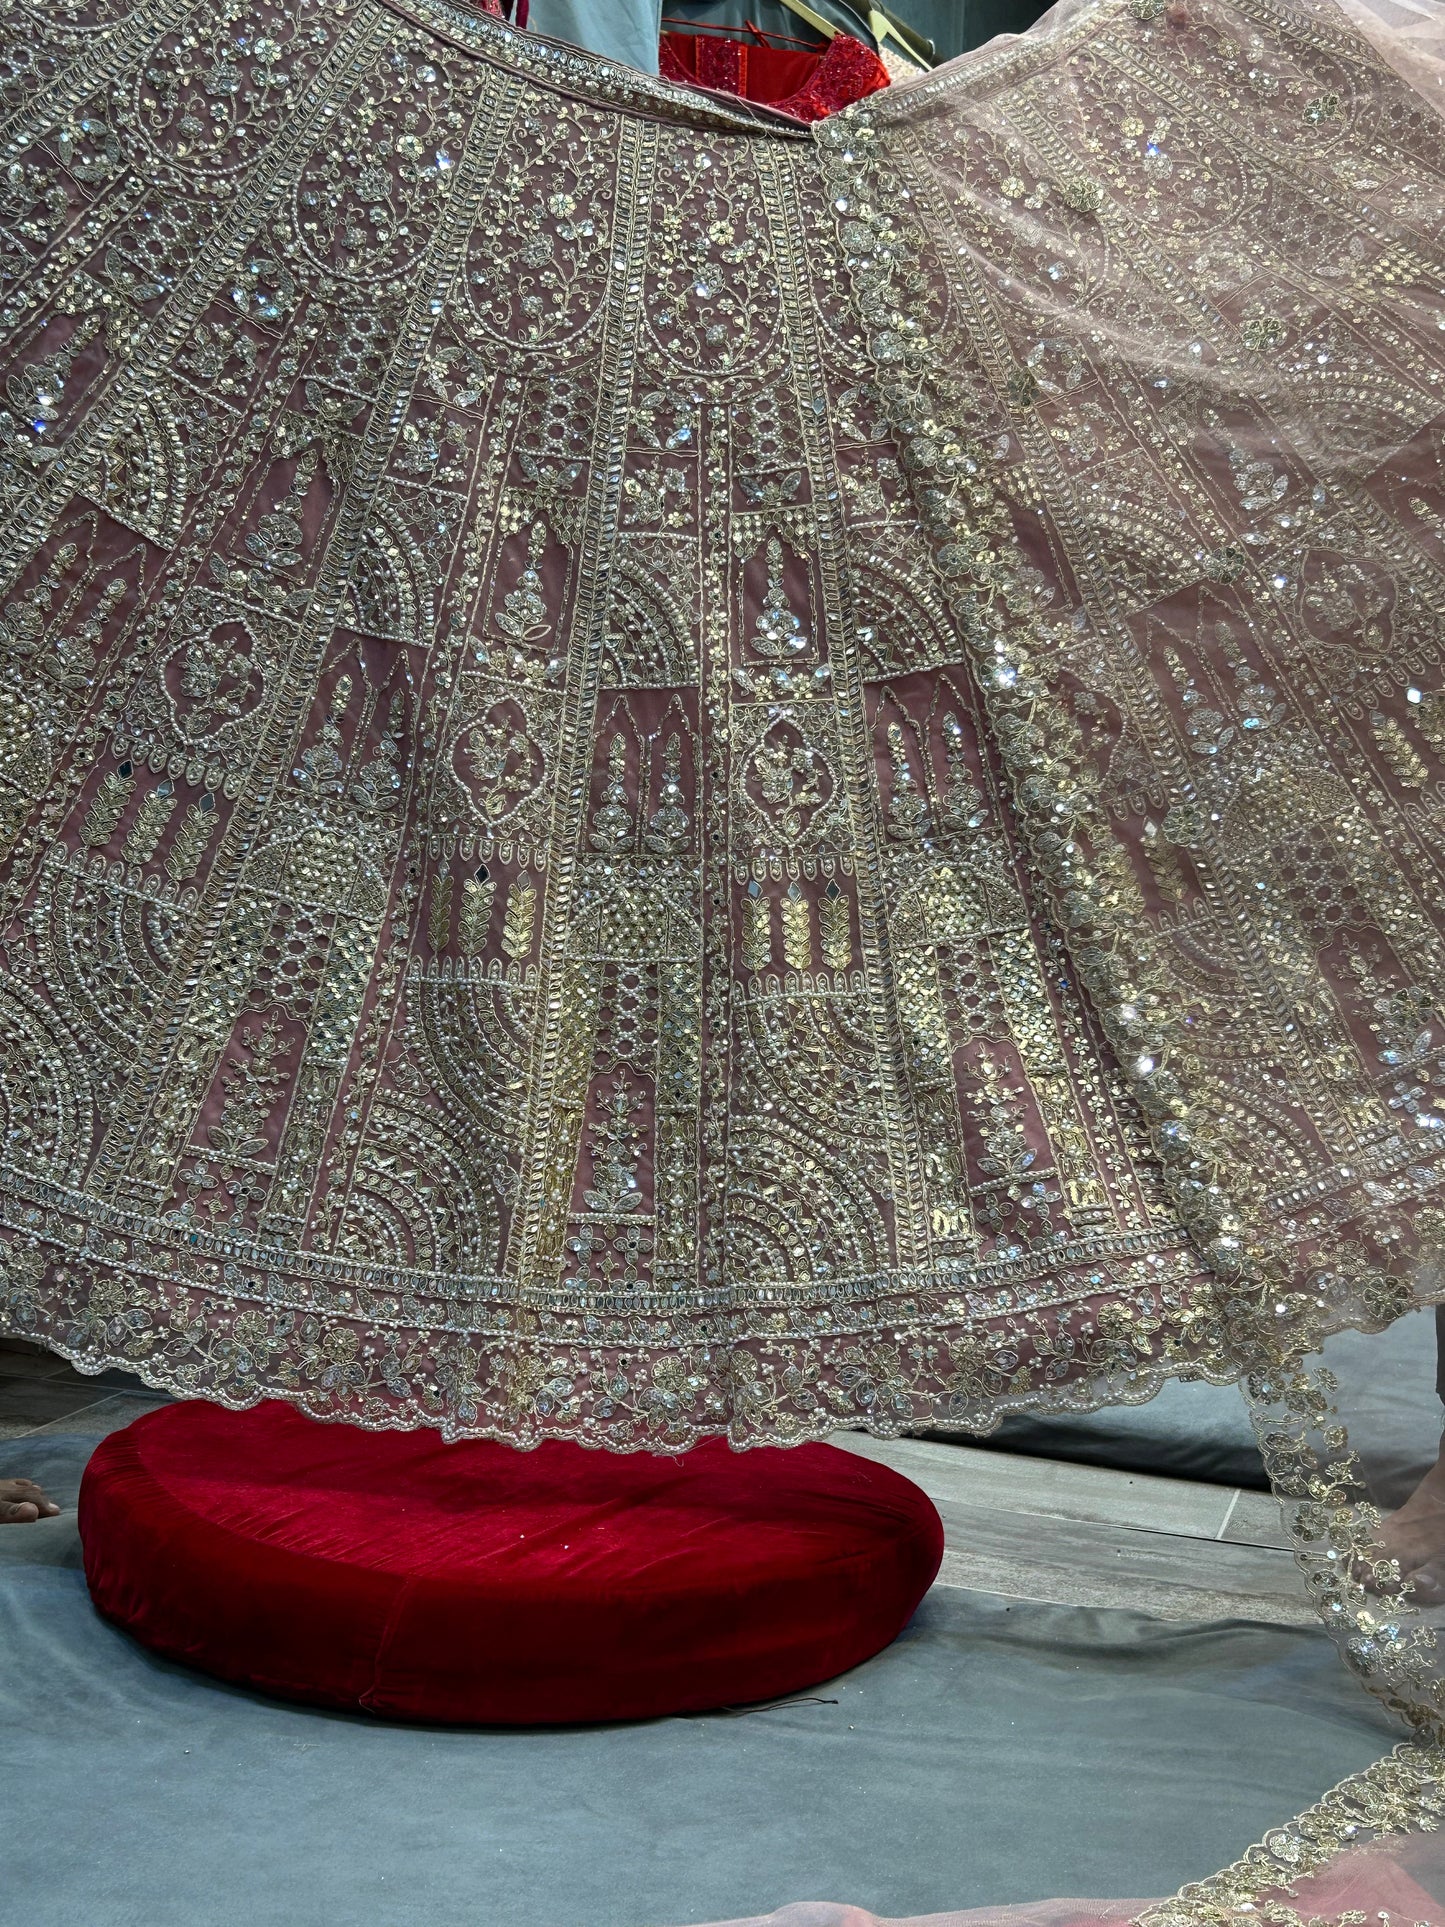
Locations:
471 1582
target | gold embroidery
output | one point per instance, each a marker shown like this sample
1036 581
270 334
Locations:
189 844
835 913
439 923
476 912
519 920
637 776
109 806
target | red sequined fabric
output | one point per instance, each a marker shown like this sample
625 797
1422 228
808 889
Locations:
806 86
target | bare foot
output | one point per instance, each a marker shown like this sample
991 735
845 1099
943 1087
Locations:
22 1502
1415 1535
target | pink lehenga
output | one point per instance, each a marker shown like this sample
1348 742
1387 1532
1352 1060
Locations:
665 774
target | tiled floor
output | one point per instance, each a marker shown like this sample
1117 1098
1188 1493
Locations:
42 1393
1086 1535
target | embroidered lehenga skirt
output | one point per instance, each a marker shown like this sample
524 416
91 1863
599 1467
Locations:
662 773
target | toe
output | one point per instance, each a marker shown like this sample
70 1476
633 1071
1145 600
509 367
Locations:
22 1500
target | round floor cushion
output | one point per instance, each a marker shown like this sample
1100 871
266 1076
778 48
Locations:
475 1583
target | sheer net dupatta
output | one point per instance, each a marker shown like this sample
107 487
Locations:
1168 394
1049 1913
1367 1853
1365 1884
1410 35
1378 1883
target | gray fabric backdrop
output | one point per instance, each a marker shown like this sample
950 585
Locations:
625 30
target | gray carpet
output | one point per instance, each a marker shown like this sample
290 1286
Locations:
998 1752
